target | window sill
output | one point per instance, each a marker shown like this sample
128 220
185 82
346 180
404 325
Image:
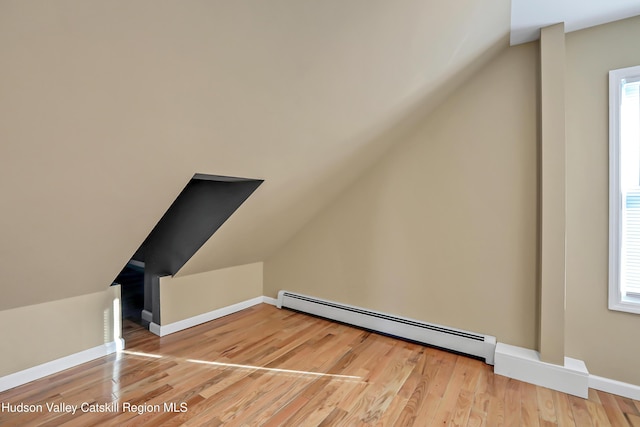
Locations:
629 304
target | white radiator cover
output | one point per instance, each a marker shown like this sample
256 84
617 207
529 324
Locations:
471 343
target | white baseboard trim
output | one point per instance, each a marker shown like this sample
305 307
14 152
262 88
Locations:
40 371
147 316
154 328
525 365
630 391
270 301
162 330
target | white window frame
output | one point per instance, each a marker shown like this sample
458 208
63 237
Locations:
617 299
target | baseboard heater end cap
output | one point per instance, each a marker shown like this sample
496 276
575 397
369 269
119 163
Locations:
280 298
490 343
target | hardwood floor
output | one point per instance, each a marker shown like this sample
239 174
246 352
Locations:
270 367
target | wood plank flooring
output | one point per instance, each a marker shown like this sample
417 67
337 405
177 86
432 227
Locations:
269 367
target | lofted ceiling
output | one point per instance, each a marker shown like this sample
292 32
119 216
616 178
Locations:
528 16
108 109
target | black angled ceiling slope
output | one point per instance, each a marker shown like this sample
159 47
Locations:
201 208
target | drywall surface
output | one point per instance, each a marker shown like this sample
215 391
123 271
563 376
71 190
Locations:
606 340
40 333
107 110
444 228
552 194
189 296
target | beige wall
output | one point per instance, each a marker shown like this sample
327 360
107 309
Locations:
107 109
188 296
444 228
606 340
40 333
552 194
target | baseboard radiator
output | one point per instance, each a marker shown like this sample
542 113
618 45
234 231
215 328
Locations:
457 340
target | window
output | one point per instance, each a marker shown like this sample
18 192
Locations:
624 189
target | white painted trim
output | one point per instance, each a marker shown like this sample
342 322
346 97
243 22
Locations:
270 301
147 315
525 365
162 330
154 328
617 299
40 371
630 391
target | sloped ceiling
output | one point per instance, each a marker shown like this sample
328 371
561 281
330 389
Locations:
107 109
528 16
